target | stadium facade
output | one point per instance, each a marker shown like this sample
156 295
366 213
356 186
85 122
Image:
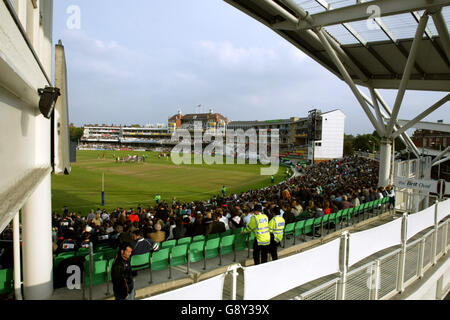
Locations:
26 65
319 136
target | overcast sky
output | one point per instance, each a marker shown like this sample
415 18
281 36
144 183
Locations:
139 61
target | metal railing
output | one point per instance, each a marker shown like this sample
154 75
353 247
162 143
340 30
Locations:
378 280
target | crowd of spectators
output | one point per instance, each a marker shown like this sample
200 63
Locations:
321 189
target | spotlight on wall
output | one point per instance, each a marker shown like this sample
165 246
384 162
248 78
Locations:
49 96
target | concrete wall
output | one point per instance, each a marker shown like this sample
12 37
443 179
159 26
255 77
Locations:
25 137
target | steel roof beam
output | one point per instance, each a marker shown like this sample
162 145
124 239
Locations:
425 113
360 39
292 20
440 161
407 71
361 11
442 29
440 155
404 136
433 41
377 110
349 81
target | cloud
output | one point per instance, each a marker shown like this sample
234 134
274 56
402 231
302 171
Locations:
104 58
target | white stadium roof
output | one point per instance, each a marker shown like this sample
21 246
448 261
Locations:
374 50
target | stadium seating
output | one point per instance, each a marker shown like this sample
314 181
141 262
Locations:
227 246
308 227
288 230
237 230
196 251
241 242
211 250
316 224
99 273
213 236
250 241
159 260
199 238
226 233
325 220
299 228
140 261
178 256
6 281
168 244
186 240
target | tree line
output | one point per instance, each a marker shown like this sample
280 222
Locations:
366 143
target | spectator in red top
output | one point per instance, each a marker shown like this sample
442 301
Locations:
133 217
326 207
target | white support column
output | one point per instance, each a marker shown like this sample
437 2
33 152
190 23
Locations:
17 262
384 172
405 137
37 244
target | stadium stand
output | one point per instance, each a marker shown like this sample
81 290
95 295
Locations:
347 182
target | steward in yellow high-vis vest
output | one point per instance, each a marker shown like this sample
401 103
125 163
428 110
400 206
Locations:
259 226
276 229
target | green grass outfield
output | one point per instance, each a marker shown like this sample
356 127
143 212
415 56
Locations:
130 184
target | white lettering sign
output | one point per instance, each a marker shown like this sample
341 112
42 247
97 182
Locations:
423 185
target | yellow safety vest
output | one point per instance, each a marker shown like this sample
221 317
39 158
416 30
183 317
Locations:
276 227
259 225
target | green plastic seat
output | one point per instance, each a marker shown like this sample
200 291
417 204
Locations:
109 253
250 242
99 274
159 260
178 257
227 246
211 250
308 226
186 240
289 229
338 218
195 251
331 219
140 261
241 242
168 244
325 219
110 264
237 230
226 233
298 229
317 223
213 236
6 281
365 209
97 256
82 252
67 254
199 238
